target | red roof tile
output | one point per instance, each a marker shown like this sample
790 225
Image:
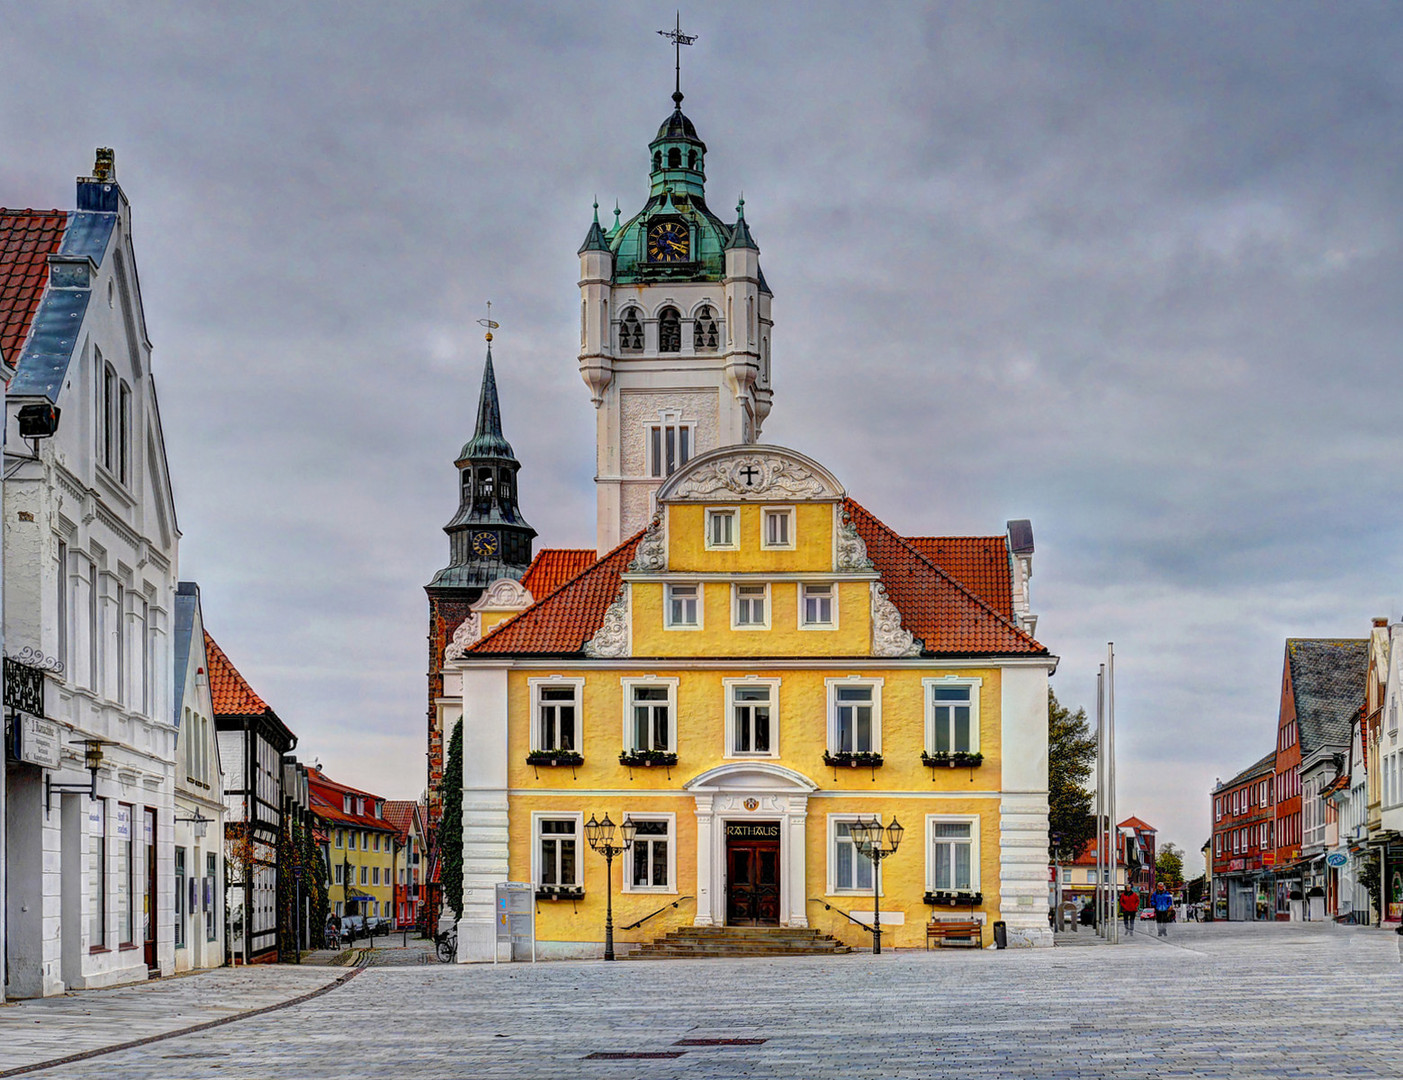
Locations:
979 563
553 567
561 622
1136 823
27 239
400 814
230 691
328 803
946 616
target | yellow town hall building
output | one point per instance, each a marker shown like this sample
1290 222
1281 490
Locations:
752 661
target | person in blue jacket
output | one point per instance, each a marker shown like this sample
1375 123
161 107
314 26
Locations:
1163 905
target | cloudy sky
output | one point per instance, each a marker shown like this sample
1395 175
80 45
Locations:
1129 270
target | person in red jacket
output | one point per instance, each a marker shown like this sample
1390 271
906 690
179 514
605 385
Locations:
1129 907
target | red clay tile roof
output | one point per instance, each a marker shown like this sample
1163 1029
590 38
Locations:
979 563
1136 823
400 814
27 239
937 609
231 692
949 618
553 567
327 797
559 624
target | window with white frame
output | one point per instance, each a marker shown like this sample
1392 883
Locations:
650 707
816 605
721 530
557 844
854 716
952 715
778 528
650 859
750 607
683 607
954 854
849 869
669 445
1091 877
557 714
752 728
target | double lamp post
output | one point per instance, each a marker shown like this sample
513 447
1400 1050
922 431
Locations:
600 835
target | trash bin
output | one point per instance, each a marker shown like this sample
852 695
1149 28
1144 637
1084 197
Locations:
1001 935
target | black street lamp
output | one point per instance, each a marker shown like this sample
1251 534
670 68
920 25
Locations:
600 835
876 843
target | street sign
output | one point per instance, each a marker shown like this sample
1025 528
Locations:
36 741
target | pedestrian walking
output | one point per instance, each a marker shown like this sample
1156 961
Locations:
1163 905
1129 908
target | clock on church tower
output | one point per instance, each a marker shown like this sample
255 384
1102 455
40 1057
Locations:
675 330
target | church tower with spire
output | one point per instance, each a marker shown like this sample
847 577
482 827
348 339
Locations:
675 330
489 548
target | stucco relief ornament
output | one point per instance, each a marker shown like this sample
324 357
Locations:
852 552
464 638
652 549
505 593
753 476
612 638
889 637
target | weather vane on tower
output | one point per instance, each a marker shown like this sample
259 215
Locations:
488 323
678 39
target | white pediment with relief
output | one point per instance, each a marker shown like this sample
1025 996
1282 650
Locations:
762 473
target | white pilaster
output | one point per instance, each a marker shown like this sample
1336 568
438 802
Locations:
796 822
706 842
486 821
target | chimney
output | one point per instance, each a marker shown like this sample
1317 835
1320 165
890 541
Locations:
1381 621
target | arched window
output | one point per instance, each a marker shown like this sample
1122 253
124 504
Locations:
704 335
657 160
631 332
504 487
674 158
484 488
691 159
467 477
669 330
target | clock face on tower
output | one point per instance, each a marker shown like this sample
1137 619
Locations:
484 543
668 242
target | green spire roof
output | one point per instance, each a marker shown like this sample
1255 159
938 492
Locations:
740 231
488 440
594 239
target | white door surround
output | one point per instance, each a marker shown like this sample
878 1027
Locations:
750 791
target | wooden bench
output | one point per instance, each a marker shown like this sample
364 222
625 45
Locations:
950 928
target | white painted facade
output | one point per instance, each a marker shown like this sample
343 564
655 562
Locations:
198 885
91 543
719 396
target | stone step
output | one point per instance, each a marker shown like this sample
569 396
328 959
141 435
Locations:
713 941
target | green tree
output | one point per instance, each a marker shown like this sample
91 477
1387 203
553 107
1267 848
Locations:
1071 756
1169 867
450 826
1368 875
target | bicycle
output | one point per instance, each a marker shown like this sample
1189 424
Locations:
446 945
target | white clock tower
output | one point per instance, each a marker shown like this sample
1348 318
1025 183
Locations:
674 333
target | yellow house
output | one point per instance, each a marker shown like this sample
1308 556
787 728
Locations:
766 664
362 848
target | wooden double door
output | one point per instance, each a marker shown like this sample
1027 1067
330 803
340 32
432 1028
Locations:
752 873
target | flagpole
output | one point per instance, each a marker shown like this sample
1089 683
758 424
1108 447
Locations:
1098 904
1111 823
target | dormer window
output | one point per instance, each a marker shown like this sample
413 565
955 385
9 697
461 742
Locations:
346 804
704 333
669 330
380 808
631 332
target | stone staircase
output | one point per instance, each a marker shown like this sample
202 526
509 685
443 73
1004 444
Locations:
711 941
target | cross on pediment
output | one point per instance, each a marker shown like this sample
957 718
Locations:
749 473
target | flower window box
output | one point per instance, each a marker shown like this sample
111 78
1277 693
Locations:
570 758
647 758
946 898
853 759
943 759
560 892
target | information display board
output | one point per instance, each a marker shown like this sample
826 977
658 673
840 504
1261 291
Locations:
516 920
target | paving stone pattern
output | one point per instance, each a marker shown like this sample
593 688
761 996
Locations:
1216 1000
48 1028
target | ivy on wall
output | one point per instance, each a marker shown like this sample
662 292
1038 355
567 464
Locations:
450 826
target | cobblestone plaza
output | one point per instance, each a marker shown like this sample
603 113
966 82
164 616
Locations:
1218 1000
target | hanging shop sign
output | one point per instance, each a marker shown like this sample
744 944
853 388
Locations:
36 741
1337 858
